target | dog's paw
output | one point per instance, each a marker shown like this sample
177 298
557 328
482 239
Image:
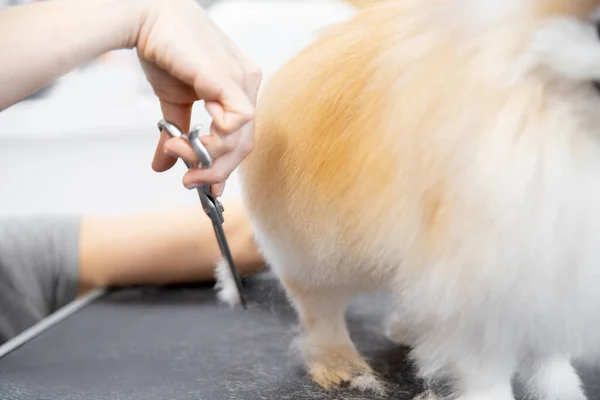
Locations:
355 375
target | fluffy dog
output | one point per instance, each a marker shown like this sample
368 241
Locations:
448 153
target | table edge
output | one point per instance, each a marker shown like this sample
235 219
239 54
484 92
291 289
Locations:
50 321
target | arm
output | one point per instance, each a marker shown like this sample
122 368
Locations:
46 261
162 248
184 54
54 37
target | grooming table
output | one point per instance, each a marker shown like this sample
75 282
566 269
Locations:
178 343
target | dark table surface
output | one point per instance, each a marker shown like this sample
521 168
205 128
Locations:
178 343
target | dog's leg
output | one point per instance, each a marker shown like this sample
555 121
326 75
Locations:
332 359
472 373
491 381
551 378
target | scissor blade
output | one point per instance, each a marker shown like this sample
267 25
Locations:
210 204
222 240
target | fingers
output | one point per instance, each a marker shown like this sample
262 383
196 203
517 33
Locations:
163 161
218 146
219 172
217 189
199 62
228 149
180 115
230 94
230 139
180 148
216 175
215 145
231 108
252 88
241 142
253 80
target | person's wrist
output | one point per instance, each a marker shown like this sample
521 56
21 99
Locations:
145 13
131 15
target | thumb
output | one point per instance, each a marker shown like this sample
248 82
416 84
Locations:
180 115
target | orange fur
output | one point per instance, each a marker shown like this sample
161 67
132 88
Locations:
578 8
323 126
327 127
336 362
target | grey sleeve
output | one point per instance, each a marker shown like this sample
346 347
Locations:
39 258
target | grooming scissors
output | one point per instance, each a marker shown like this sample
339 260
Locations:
211 205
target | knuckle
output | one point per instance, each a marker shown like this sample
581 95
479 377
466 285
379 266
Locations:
220 91
221 174
229 145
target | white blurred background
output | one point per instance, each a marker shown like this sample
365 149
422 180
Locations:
85 145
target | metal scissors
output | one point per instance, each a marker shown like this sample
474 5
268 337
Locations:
211 205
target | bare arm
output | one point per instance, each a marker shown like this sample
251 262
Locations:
162 248
185 56
42 41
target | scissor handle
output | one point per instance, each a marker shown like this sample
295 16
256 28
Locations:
199 149
193 138
212 207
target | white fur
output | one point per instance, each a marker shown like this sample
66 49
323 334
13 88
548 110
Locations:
225 285
552 379
537 251
569 47
517 289
487 12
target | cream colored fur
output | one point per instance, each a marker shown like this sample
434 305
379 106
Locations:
447 152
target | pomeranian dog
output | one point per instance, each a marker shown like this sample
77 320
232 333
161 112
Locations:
448 154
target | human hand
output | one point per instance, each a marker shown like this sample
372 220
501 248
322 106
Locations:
187 58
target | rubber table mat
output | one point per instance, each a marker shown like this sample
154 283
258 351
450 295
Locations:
178 343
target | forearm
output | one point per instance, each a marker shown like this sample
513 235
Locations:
42 41
162 248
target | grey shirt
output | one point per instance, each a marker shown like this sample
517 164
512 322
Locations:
38 269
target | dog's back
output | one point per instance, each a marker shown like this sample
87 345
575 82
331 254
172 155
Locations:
319 138
379 121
